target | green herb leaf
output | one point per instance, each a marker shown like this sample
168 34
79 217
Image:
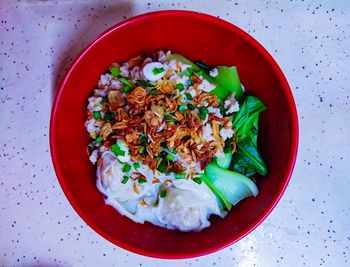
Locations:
125 179
99 139
115 71
141 149
97 115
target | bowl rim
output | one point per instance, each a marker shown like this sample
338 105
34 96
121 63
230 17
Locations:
294 132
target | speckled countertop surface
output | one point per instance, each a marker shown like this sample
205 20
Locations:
309 39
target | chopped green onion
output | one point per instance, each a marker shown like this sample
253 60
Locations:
125 81
153 92
109 117
117 151
141 149
99 139
126 168
170 157
180 175
144 83
204 110
197 180
156 71
141 180
125 179
182 107
137 165
143 140
115 71
91 145
168 151
162 166
96 114
189 96
222 111
170 117
126 89
202 115
180 86
191 107
162 193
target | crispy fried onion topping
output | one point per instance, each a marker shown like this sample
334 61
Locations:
151 122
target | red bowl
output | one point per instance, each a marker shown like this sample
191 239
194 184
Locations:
198 37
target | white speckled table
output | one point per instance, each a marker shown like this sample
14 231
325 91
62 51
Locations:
309 39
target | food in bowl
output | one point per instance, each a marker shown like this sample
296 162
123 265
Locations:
174 141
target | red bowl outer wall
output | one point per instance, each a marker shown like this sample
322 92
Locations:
198 37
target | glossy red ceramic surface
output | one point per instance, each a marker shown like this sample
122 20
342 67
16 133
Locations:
198 37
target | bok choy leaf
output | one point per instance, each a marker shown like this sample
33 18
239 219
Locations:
247 159
227 80
230 187
227 83
225 161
